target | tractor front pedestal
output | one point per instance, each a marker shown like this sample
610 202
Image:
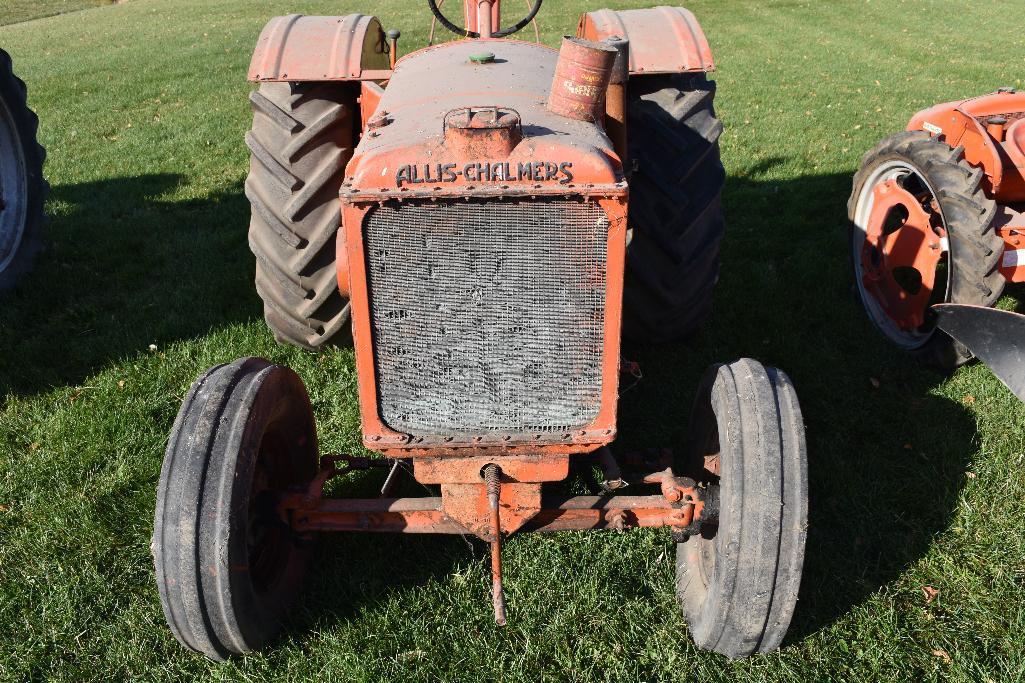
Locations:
492 498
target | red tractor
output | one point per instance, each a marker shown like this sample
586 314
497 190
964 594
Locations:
487 217
938 216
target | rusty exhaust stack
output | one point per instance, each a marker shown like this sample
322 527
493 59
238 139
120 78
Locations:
615 100
581 78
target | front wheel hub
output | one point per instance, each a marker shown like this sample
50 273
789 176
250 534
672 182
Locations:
904 244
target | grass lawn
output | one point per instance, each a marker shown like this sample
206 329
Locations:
917 480
14 11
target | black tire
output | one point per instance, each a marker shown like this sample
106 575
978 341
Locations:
303 136
227 567
975 249
676 218
22 187
737 582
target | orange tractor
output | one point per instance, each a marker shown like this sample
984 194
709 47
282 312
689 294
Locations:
488 217
938 216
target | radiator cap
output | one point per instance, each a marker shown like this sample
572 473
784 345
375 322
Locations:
482 132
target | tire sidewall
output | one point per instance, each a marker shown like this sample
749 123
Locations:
259 612
702 596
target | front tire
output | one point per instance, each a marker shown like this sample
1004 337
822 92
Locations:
227 566
737 581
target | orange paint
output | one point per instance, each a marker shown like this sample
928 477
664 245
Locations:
966 124
912 246
662 39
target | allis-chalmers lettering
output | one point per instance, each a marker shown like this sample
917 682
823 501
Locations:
485 172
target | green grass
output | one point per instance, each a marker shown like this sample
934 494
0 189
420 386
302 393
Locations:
15 11
919 481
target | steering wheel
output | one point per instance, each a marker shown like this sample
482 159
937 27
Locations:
433 4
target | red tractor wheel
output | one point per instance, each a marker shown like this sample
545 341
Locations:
227 566
737 580
922 234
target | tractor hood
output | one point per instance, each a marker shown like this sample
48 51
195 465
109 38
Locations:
455 120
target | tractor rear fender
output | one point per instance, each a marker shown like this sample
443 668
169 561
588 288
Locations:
663 40
963 124
301 48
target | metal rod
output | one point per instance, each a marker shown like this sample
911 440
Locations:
537 31
388 487
610 469
484 27
372 505
425 515
393 46
563 503
433 504
493 482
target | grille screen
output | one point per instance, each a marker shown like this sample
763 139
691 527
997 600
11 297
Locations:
487 315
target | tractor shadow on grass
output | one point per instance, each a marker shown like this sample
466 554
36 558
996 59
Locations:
887 456
124 267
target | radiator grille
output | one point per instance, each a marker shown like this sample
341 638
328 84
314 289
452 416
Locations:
487 316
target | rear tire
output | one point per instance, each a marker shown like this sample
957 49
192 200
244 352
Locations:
675 216
227 566
303 136
22 187
737 581
974 247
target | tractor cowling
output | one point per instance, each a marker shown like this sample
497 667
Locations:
417 138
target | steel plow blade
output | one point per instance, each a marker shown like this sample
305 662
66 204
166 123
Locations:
996 337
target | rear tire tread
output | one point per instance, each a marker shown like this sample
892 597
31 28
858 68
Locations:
675 215
303 135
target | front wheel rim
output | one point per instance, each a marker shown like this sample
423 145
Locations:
901 252
269 541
